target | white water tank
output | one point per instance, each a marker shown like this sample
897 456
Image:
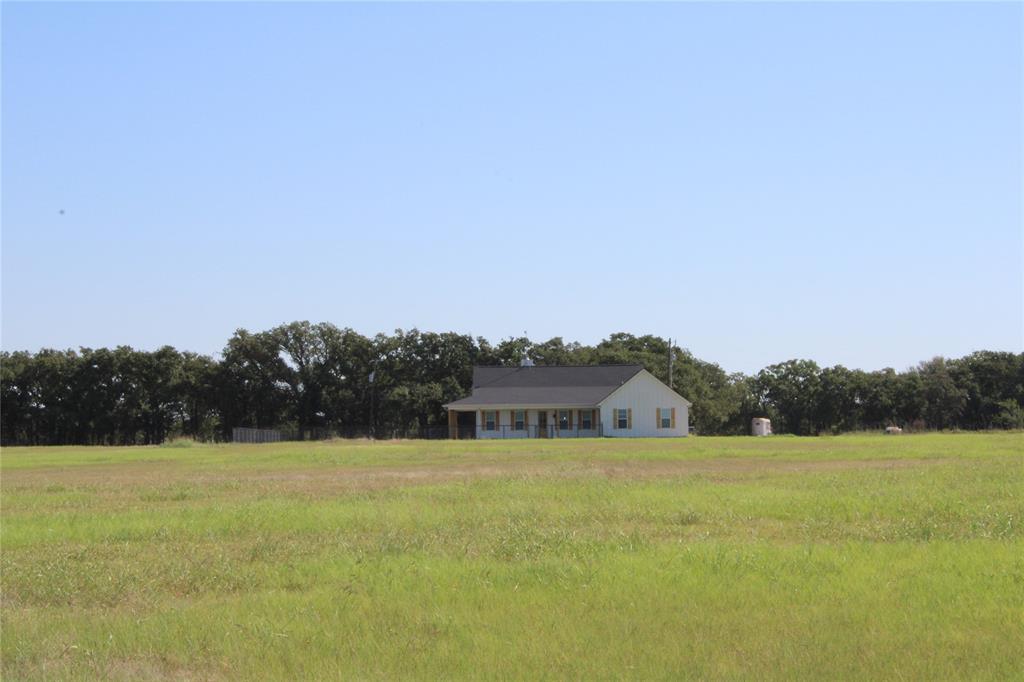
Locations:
760 426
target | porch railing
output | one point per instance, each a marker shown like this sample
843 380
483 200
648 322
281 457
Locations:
534 431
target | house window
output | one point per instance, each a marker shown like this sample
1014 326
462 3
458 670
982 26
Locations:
586 419
490 420
519 419
666 417
622 419
563 419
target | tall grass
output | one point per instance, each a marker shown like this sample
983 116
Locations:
859 558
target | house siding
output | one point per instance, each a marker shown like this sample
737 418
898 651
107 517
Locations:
504 420
644 394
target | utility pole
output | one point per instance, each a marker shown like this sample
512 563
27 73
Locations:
373 375
670 364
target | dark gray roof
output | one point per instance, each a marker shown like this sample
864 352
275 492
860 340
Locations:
548 386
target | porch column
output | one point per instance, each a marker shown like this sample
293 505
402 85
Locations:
453 424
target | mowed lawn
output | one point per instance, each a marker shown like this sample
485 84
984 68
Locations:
854 557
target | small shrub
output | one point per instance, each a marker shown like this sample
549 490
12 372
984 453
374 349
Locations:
181 442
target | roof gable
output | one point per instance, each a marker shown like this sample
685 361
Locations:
654 381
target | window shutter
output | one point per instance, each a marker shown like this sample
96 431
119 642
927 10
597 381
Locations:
526 419
593 417
570 420
483 420
673 417
629 418
657 417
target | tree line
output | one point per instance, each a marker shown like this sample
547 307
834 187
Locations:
318 378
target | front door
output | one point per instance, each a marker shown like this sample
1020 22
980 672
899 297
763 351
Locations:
542 424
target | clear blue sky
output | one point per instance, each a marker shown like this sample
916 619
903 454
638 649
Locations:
840 182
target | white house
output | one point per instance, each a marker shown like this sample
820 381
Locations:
617 401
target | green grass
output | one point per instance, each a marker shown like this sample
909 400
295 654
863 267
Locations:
855 557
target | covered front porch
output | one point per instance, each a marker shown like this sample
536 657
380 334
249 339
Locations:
512 422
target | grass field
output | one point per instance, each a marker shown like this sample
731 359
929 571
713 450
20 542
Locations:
859 557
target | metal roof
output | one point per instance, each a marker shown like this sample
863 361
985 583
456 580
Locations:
551 386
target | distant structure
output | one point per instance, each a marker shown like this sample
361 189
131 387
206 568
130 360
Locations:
760 426
893 430
568 401
241 434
